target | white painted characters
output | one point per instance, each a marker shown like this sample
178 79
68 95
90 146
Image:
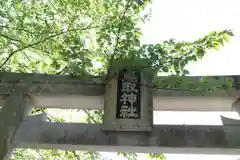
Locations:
129 86
128 112
129 98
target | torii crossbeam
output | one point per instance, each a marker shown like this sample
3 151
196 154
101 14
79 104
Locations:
19 92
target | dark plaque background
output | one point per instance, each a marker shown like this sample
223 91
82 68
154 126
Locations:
137 104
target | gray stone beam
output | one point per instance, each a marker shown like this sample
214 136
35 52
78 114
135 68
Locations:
159 103
58 91
50 84
90 137
94 86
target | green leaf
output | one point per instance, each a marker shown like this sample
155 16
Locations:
185 72
230 33
217 46
154 156
18 5
165 69
221 41
226 38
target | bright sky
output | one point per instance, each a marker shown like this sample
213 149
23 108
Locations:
188 20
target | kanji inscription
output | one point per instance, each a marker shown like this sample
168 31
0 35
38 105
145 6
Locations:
128 96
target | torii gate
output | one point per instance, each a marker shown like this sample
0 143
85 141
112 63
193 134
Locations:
120 131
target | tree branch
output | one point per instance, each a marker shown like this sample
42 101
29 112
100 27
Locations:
6 36
89 115
41 41
20 29
117 40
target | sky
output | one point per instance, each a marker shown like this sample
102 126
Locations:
189 20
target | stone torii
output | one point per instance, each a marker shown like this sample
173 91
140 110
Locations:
20 92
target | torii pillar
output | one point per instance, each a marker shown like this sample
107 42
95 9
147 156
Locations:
11 115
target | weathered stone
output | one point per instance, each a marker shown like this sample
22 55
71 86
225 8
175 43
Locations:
93 86
167 138
141 98
11 115
232 130
56 91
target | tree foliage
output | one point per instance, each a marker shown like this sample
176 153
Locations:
92 37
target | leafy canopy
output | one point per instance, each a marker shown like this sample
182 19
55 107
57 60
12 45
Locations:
90 37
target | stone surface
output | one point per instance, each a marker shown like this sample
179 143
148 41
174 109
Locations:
159 103
94 86
163 138
232 130
167 138
51 91
144 123
11 115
